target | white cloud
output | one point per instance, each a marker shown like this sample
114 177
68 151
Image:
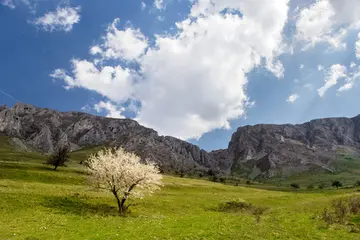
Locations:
357 47
352 65
112 110
335 73
112 82
62 19
193 81
320 67
8 3
346 86
301 66
292 98
86 108
143 6
128 44
350 80
327 21
159 4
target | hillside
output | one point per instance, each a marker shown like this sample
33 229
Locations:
260 151
268 150
45 130
39 203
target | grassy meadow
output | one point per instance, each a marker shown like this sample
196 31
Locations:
39 203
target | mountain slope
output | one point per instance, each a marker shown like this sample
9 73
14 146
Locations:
45 130
265 150
270 150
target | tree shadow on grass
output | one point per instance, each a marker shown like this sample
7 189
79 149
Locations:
78 205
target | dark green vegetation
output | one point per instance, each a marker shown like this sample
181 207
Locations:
59 158
347 174
38 203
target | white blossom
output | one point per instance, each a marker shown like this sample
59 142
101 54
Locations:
123 174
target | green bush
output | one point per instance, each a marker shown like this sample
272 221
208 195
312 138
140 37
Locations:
234 206
357 184
336 184
240 205
295 185
341 211
59 157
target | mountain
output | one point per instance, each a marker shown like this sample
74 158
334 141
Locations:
45 130
268 150
264 150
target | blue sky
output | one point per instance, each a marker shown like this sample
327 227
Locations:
190 69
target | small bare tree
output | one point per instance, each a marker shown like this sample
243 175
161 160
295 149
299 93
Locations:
123 174
59 157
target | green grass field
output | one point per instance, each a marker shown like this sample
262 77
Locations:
39 203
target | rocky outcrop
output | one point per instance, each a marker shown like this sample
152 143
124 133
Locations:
46 130
271 150
263 150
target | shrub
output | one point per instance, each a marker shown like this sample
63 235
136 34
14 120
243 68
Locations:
59 157
336 184
248 182
234 206
241 206
222 179
295 185
354 204
258 212
357 184
327 216
341 210
213 178
322 186
310 186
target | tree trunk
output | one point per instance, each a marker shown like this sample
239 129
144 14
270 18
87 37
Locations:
123 203
120 204
55 167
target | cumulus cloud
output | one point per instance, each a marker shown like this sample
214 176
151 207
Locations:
115 83
292 98
111 109
193 81
335 73
8 3
302 66
62 19
128 44
327 21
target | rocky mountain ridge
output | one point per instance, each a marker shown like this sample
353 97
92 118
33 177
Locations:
269 150
263 150
45 130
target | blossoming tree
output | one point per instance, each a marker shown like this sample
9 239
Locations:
123 174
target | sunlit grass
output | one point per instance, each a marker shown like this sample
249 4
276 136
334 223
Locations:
39 203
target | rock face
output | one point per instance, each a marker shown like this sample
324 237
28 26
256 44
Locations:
280 150
254 151
45 130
